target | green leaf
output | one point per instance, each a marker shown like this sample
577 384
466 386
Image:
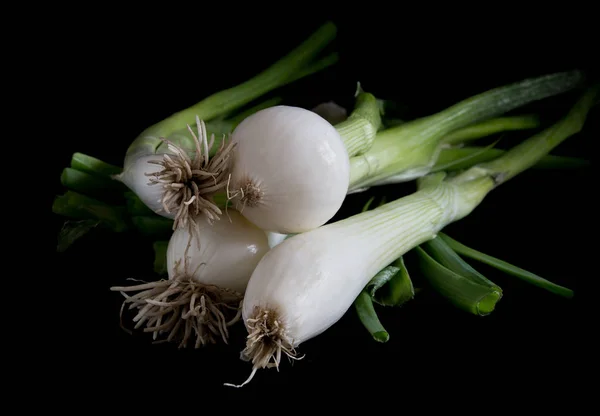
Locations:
492 126
466 157
507 268
392 286
93 166
95 186
367 315
443 254
462 292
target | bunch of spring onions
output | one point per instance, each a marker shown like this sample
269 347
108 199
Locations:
304 285
237 192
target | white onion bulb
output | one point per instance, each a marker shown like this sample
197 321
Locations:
223 254
290 171
176 177
208 268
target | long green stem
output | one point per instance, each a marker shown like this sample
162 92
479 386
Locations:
221 127
466 157
508 268
92 185
93 166
492 126
530 151
313 68
409 151
367 315
230 99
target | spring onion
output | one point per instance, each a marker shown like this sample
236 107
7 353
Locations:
263 168
207 277
304 285
290 169
180 164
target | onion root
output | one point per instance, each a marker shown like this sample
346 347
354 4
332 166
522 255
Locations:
189 185
182 308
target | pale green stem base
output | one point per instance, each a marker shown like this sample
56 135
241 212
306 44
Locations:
358 131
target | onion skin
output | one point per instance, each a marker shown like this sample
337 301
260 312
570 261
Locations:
227 253
135 177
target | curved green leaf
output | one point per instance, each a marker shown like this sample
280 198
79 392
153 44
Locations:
392 286
367 315
462 292
507 267
443 254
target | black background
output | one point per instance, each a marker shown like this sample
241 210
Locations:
120 72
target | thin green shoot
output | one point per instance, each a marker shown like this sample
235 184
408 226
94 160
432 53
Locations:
506 267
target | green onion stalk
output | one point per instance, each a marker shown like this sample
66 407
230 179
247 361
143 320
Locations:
454 196
410 150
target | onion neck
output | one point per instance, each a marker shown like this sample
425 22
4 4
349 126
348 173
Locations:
358 131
